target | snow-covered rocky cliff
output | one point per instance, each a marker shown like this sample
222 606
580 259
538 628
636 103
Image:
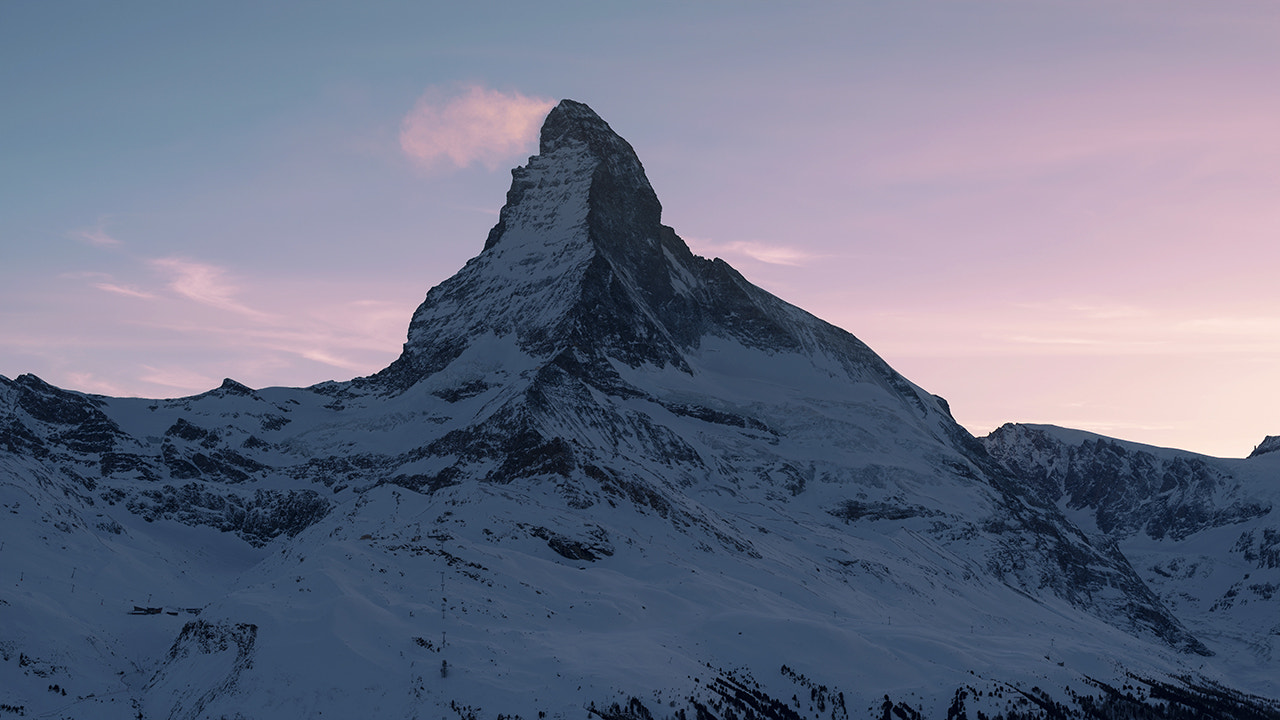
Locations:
605 477
1200 531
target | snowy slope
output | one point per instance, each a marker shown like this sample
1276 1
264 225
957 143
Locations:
605 477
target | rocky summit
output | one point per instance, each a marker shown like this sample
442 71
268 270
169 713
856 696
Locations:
609 478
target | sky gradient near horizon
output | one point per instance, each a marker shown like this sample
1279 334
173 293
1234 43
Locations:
1049 211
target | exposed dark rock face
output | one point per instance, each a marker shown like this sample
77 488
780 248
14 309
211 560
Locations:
1165 507
1270 443
71 420
1130 491
258 518
1261 547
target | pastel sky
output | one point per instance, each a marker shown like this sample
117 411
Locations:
1045 211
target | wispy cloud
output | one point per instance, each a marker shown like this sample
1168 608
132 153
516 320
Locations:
1103 426
1108 341
326 358
89 382
1071 327
1114 311
85 275
1046 340
203 283
1243 325
97 237
357 336
1175 124
762 252
478 125
178 378
125 290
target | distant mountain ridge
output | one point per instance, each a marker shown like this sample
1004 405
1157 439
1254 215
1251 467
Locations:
607 477
1201 531
1270 443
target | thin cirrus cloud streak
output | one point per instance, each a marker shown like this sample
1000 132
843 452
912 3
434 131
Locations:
96 237
1068 328
760 252
477 126
257 332
203 283
126 290
1081 126
343 335
327 358
92 383
177 378
354 336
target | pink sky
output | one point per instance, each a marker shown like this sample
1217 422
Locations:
1052 212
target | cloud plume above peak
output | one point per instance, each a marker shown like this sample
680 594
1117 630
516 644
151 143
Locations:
478 125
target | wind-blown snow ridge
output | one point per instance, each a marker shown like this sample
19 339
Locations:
609 478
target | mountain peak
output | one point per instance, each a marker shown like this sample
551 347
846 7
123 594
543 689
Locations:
584 171
571 121
579 261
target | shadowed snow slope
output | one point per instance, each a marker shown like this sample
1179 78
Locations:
605 477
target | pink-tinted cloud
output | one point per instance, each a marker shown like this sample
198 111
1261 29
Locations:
772 254
479 125
289 338
88 382
85 275
327 358
97 237
203 283
178 378
125 290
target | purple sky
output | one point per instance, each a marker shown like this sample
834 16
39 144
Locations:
1060 212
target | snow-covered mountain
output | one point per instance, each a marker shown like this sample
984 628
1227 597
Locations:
1200 531
609 477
